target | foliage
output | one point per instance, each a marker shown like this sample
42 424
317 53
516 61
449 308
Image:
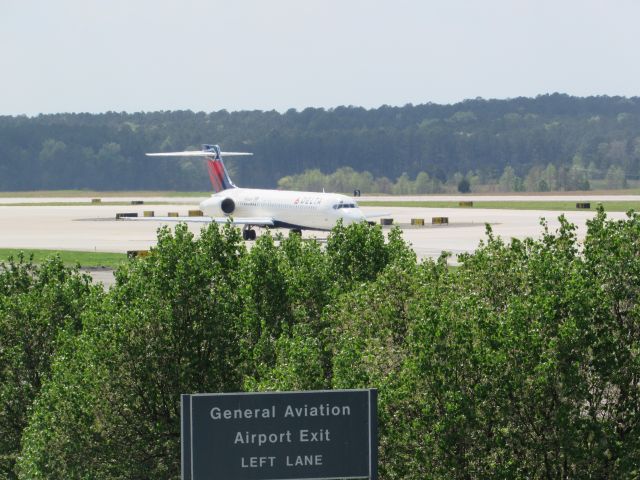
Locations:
37 303
464 186
346 180
314 280
169 325
521 363
195 315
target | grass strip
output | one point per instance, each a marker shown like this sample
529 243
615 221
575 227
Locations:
88 204
70 258
562 206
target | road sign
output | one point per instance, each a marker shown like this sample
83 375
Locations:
280 435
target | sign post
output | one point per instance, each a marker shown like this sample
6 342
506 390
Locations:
316 435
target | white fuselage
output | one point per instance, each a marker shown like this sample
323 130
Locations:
304 210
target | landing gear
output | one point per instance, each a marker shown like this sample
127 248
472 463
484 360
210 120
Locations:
248 233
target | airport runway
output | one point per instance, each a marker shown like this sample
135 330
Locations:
94 228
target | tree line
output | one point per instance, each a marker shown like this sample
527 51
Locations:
538 179
592 138
521 363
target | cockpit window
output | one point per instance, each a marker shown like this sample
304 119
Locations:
344 205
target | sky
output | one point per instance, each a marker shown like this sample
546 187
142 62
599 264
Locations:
208 55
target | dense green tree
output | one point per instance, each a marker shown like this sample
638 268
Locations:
464 186
455 179
616 177
577 177
403 186
533 182
509 181
346 180
195 315
475 177
170 325
423 183
520 363
369 349
550 177
37 302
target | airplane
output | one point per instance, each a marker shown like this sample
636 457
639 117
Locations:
253 207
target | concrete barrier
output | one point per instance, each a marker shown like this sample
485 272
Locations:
195 213
137 253
386 221
417 221
465 204
440 220
126 215
148 213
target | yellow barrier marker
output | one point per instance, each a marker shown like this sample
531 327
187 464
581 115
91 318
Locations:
148 213
440 220
417 221
195 213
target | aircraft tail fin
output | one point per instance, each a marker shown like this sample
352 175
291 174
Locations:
218 174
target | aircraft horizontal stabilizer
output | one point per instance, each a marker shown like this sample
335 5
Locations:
198 153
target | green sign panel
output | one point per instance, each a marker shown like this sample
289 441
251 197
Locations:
279 435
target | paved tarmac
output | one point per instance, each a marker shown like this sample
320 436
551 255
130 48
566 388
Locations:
94 228
467 227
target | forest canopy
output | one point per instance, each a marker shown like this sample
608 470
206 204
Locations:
549 138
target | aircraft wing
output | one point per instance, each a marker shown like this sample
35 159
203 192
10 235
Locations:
255 221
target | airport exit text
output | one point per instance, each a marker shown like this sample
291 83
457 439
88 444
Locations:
303 436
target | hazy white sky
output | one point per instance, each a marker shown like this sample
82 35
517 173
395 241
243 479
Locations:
133 55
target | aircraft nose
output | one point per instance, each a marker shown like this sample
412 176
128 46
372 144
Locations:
352 216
